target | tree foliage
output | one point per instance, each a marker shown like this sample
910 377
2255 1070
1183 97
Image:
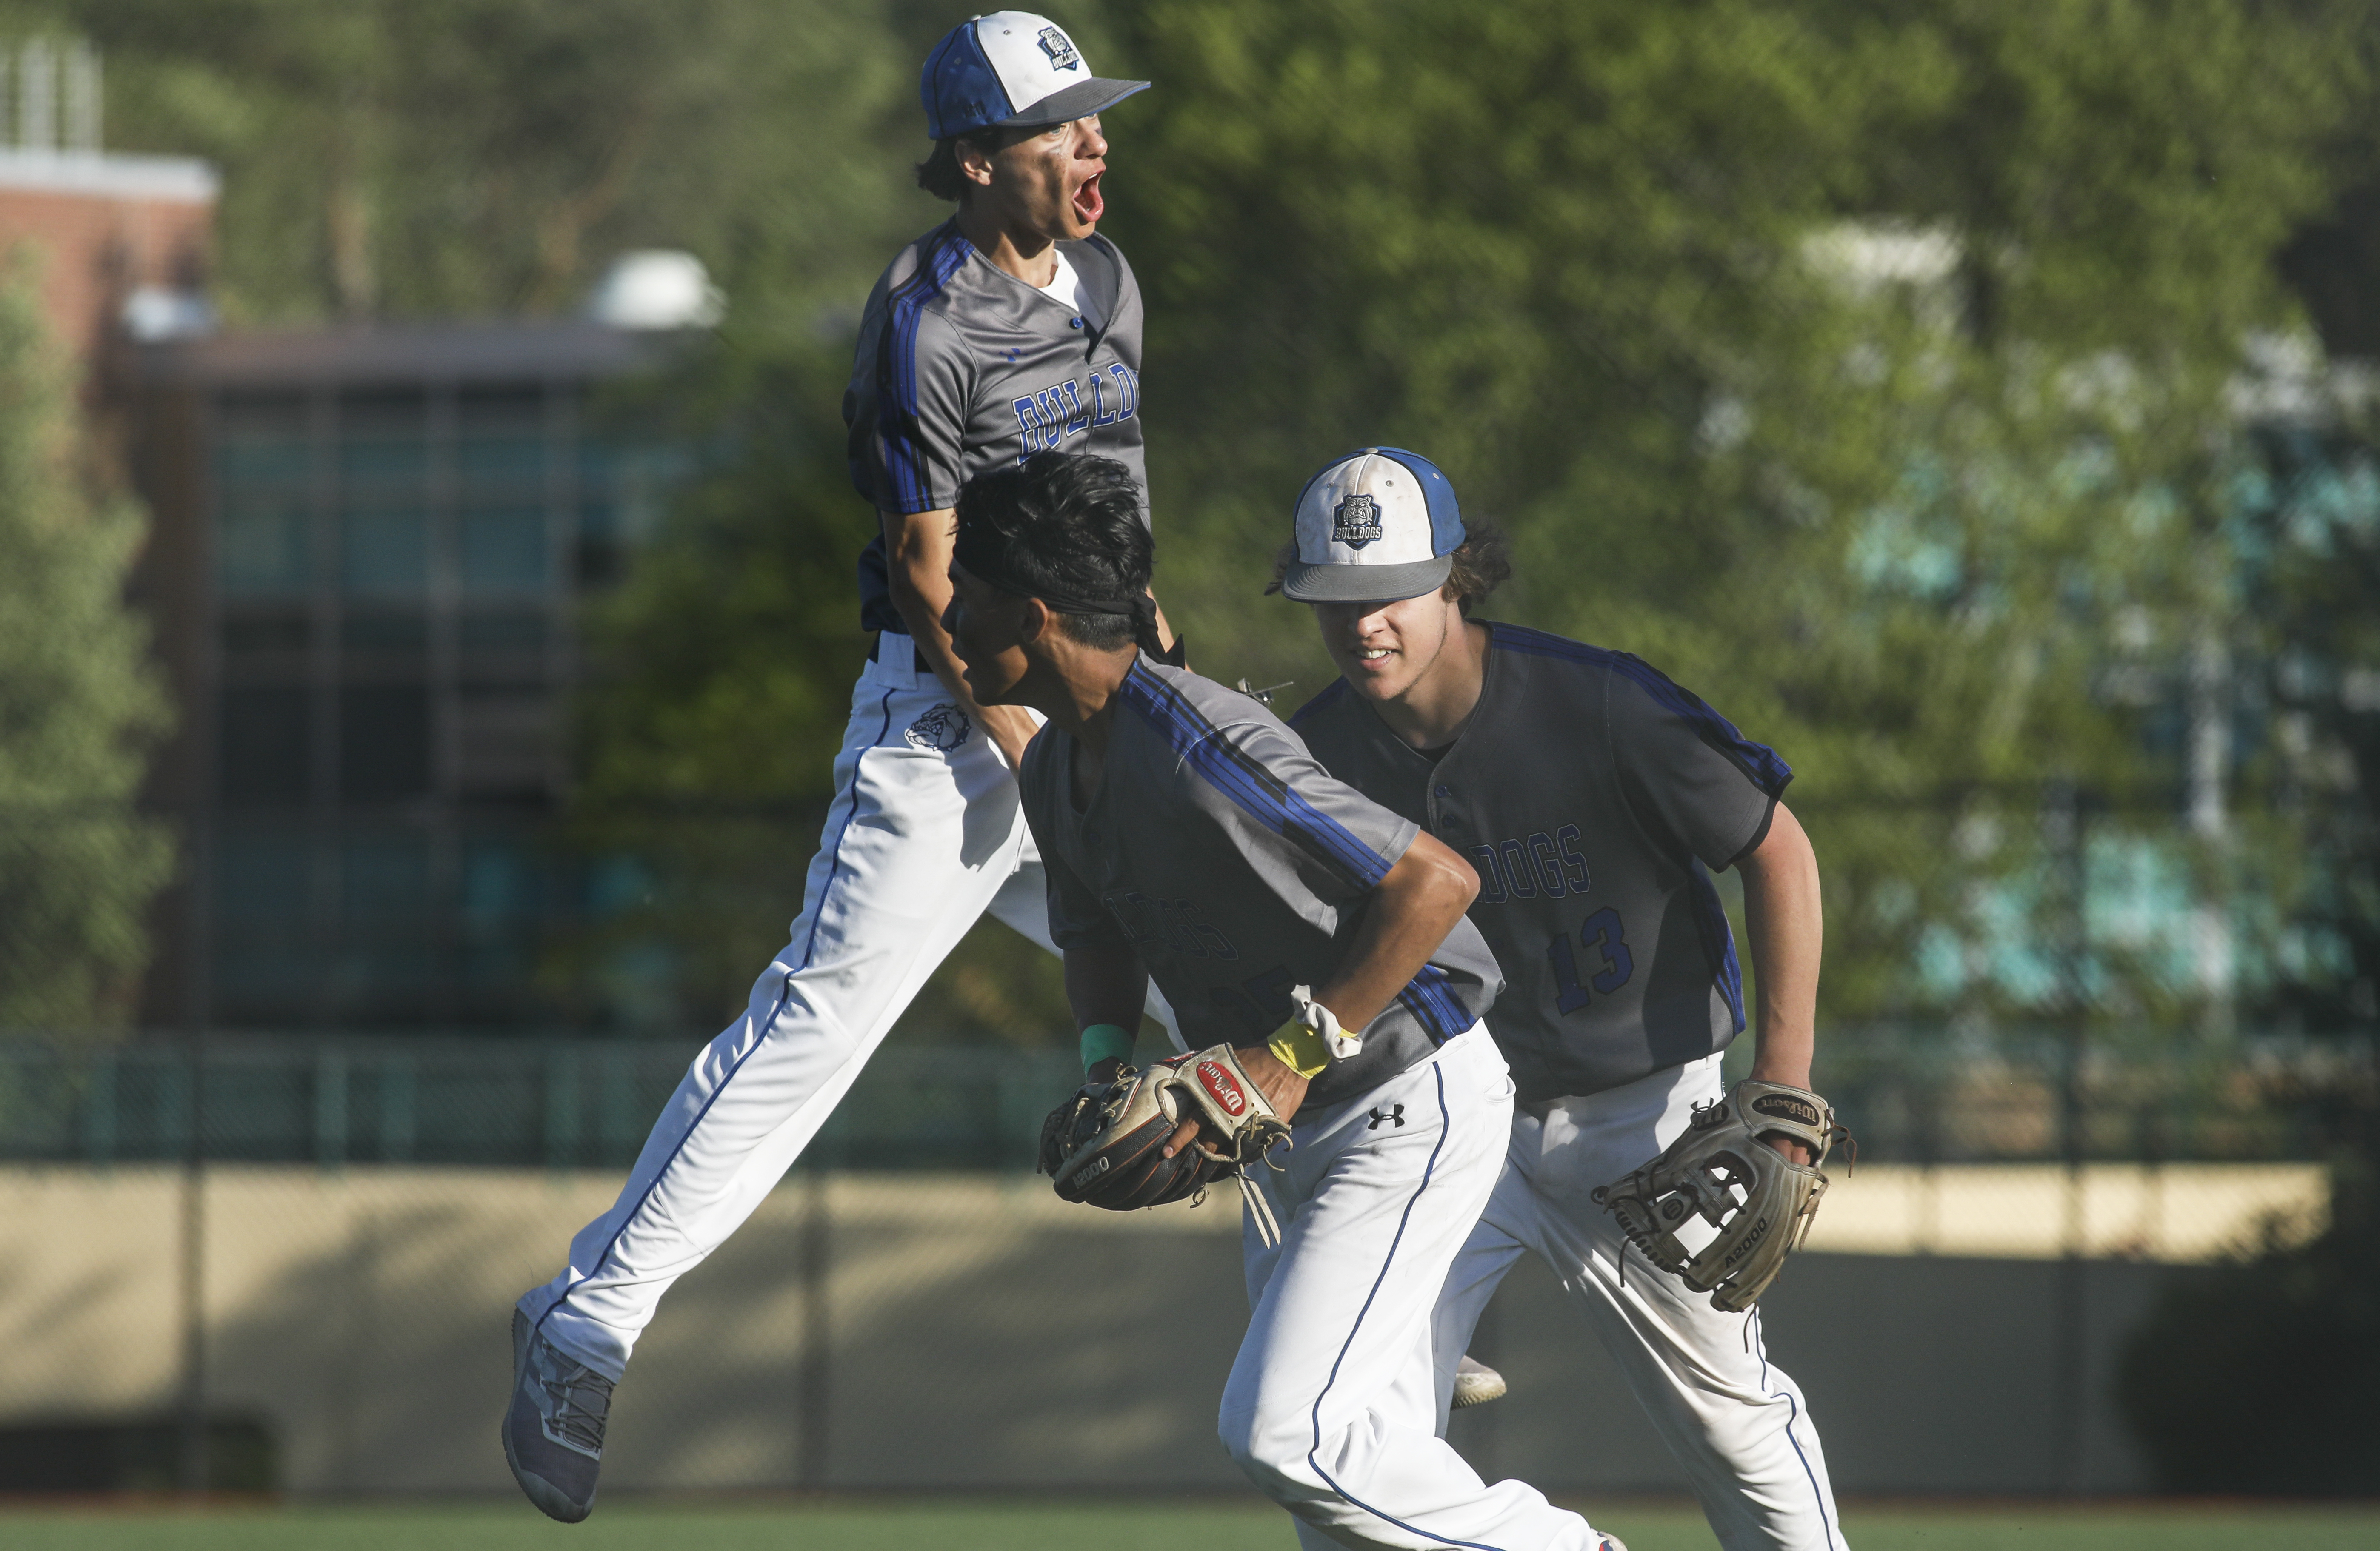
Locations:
80 708
1862 366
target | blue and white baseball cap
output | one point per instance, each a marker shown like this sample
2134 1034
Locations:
1011 69
1375 527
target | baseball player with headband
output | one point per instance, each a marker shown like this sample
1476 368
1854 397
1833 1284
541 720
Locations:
1595 799
1314 946
1009 330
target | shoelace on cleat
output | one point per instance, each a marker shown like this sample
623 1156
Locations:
577 1405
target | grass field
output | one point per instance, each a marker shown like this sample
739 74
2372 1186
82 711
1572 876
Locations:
944 1525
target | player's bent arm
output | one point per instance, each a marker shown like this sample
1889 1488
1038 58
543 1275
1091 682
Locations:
918 560
1105 985
1407 917
1787 932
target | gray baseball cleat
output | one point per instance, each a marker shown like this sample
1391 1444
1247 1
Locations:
1476 1384
554 1428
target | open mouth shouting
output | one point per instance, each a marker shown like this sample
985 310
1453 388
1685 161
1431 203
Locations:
1089 205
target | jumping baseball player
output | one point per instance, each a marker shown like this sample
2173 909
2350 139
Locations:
1595 799
1009 330
1315 943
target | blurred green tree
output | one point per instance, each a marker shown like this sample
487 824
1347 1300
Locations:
1862 366
446 158
79 707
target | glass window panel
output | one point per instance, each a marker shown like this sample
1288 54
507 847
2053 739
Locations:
503 632
261 414
499 887
503 550
383 879
502 460
265 633
263 963
260 546
262 460
515 407
384 412
262 743
384 552
380 461
261 878
383 742
384 634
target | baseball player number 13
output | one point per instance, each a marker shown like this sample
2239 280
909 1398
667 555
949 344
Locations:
1604 937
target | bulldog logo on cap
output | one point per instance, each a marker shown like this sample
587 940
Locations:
1355 521
1060 50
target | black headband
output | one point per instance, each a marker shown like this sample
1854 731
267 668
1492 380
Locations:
982 563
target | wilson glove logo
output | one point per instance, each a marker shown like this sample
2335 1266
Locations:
1785 1106
1217 1080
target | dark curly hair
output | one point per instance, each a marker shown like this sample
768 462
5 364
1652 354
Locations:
1062 526
1482 564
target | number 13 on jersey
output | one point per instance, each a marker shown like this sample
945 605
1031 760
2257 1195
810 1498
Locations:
1606 944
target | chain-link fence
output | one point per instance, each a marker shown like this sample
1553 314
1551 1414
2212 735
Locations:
289 1262
1912 1095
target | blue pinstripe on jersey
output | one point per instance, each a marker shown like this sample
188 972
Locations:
1710 915
1763 763
1253 789
896 366
1430 998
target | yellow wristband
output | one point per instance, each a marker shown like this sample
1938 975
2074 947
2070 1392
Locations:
1300 1048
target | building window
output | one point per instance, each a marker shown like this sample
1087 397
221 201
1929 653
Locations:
383 742
260 544
384 551
263 739
503 550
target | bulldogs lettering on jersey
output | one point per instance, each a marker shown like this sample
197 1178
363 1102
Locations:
1046 417
963 367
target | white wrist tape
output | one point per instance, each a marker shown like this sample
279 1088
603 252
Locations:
1305 1009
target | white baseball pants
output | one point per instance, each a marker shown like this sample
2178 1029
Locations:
1733 1419
1332 1403
926 832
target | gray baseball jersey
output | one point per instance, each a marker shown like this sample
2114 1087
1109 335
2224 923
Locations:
961 367
1595 799
1218 849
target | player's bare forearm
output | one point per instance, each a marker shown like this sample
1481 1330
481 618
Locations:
917 563
1105 986
1408 917
1787 931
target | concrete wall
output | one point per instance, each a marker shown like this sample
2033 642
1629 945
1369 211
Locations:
974 1331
